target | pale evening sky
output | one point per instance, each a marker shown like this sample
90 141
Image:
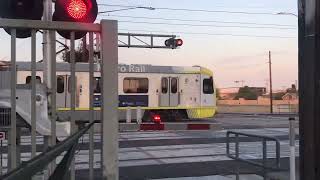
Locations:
239 54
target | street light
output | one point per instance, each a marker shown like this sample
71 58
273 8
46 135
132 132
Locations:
287 13
137 7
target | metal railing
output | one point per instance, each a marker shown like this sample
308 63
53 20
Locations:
264 139
30 168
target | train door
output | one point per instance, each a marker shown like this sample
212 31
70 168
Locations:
174 94
63 91
169 95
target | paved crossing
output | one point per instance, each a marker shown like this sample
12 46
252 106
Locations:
164 149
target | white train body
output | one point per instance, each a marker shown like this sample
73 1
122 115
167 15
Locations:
181 92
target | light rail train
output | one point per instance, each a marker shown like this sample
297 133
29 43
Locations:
172 92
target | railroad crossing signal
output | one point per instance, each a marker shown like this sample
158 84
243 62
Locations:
21 9
173 43
85 11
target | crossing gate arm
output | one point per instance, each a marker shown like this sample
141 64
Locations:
38 163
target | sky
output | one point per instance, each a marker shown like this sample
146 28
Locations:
233 53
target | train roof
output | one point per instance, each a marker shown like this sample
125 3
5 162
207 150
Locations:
123 68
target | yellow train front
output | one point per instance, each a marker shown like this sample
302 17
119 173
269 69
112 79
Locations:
171 92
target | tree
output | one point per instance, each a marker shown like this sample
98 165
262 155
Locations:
218 93
81 55
246 93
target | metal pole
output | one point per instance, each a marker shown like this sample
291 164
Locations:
264 158
91 97
33 94
110 124
47 73
292 135
1 158
237 145
128 115
13 131
270 78
53 115
139 120
73 95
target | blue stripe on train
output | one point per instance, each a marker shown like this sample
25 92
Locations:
126 100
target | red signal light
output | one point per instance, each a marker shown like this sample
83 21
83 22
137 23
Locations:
157 119
179 42
173 43
77 9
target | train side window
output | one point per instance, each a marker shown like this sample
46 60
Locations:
174 85
97 85
208 86
28 79
60 84
164 85
135 85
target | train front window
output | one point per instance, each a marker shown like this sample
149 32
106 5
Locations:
135 85
60 84
208 86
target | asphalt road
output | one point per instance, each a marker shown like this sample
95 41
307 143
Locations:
252 121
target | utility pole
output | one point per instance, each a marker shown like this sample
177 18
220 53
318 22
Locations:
270 79
309 89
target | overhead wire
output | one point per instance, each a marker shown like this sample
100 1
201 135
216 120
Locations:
202 21
261 25
206 25
212 34
194 10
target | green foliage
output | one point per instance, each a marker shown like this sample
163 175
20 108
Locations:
81 55
278 96
218 94
246 93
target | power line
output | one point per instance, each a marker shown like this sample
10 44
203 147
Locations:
202 21
211 34
196 10
218 6
208 25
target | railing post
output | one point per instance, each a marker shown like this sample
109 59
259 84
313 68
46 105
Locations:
292 135
228 144
91 104
264 152
109 74
139 116
237 145
264 157
128 115
73 95
13 130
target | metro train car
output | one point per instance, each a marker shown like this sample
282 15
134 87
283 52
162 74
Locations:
172 92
